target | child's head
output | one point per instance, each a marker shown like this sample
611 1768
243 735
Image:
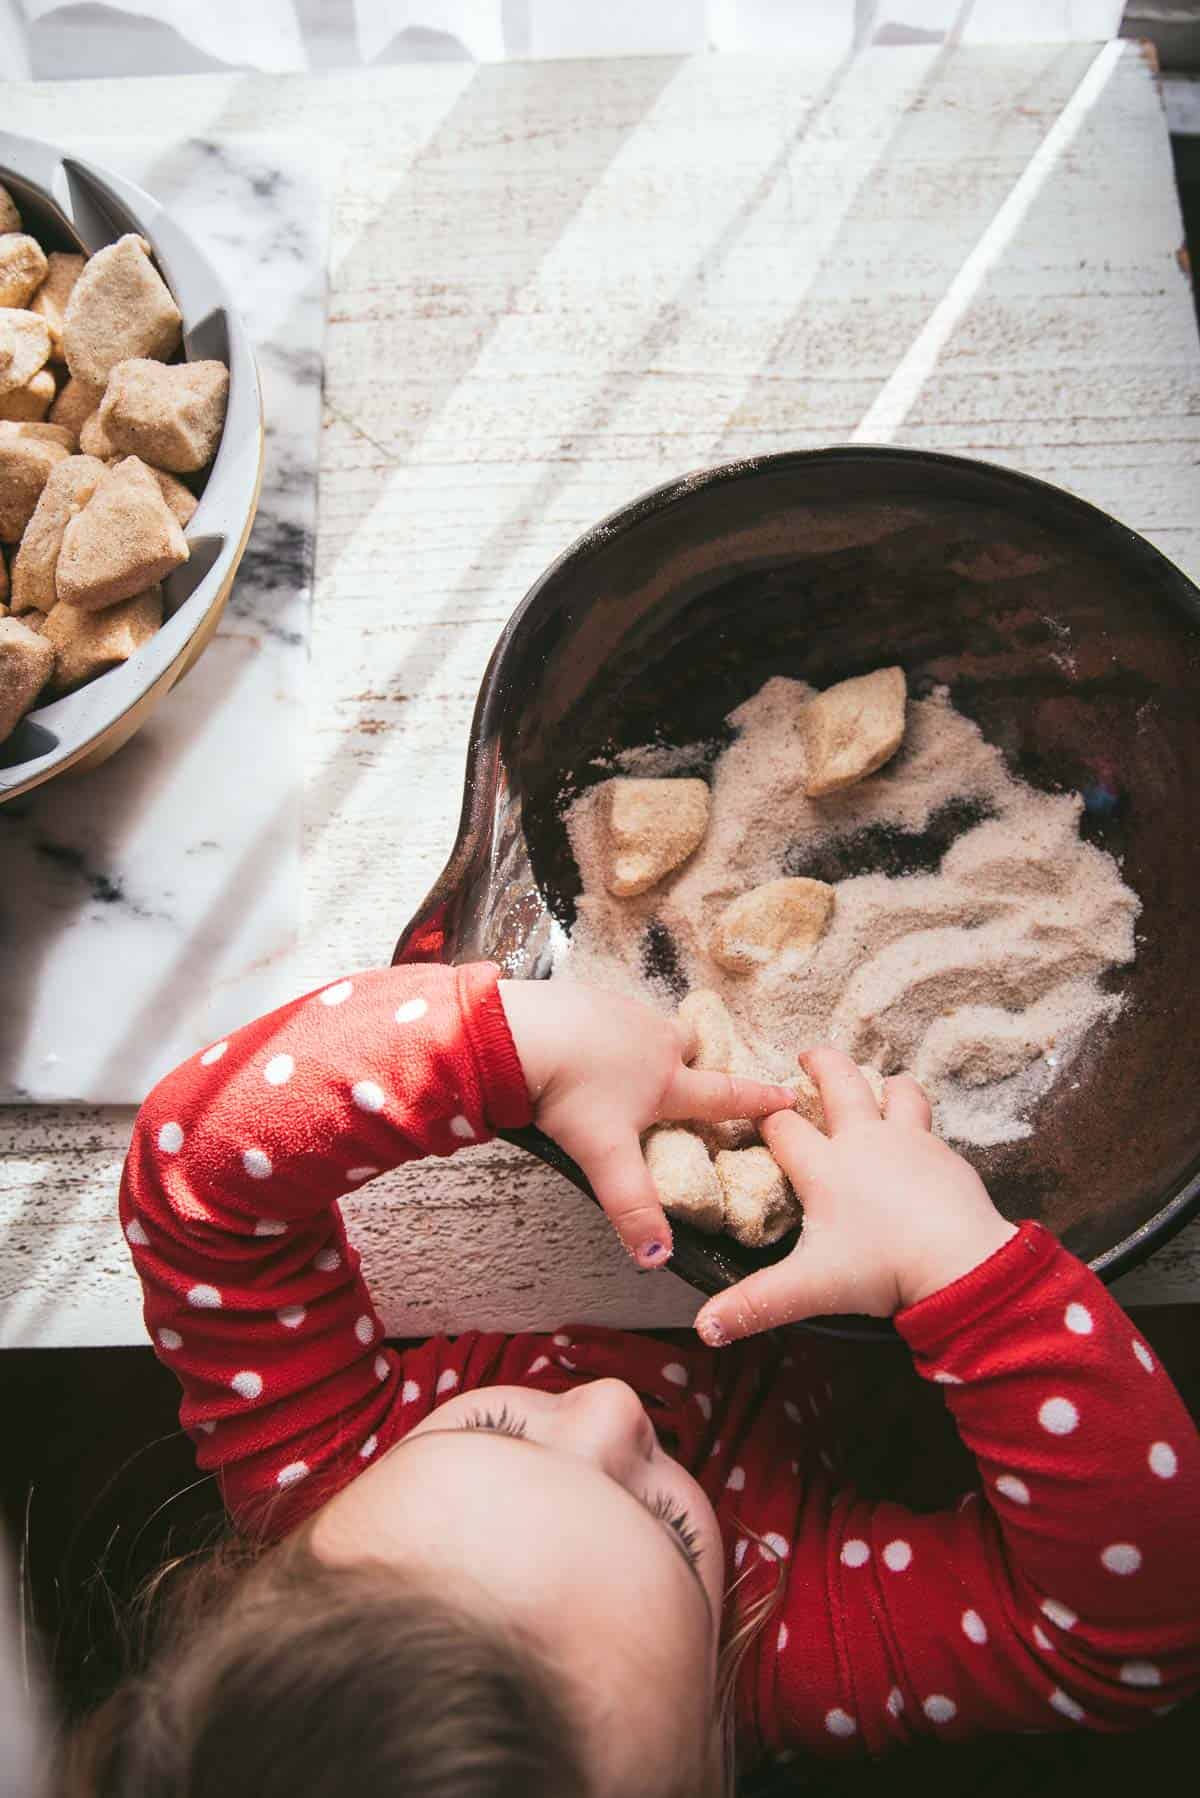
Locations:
523 1596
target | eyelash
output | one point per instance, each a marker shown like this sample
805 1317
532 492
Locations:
662 1507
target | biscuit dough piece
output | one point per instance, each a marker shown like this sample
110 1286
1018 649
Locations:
50 300
26 663
124 540
28 452
119 307
22 268
171 417
685 1177
69 488
24 347
852 729
3 576
29 404
652 827
180 499
10 218
718 1050
74 406
781 917
90 643
760 1205
93 439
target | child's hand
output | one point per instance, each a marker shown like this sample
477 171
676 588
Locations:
890 1213
600 1070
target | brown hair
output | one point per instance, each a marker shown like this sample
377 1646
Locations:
275 1674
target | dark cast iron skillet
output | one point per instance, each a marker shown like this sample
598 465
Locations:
1072 643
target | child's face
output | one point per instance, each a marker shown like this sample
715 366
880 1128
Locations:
557 1530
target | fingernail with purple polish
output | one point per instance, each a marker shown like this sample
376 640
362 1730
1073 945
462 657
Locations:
711 1331
651 1252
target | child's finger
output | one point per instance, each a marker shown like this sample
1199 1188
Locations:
798 1146
802 1285
628 1196
904 1102
845 1094
711 1098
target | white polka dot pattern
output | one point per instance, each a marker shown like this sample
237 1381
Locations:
1066 1707
781 1641
382 1369
135 1234
703 1405
463 1128
294 1471
1078 1320
1013 1488
1058 1416
675 1373
1121 1557
1140 1673
895 1702
327 1261
292 1316
170 1138
792 1411
257 1164
368 1095
213 1054
204 1298
1163 1460
774 1546
974 1628
207 1426
410 1392
947 1379
1059 1614
737 1479
247 1384
542 1362
940 1709
279 1070
170 1339
337 994
898 1555
739 1553
446 1381
361 1173
410 1011
1042 1640
1143 1354
364 1329
840 1723
855 1553
561 1341
270 1226
368 1448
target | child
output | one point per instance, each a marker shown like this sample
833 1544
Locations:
500 1566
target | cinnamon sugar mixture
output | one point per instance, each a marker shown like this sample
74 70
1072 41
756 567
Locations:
983 975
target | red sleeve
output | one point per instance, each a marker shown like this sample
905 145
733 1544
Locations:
1065 1593
253 1296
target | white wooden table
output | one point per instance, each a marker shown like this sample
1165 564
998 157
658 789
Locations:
552 286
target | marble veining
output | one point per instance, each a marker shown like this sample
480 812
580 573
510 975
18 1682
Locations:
153 904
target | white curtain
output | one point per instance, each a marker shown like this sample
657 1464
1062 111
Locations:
49 38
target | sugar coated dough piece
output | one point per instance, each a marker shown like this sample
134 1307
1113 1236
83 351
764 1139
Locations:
74 406
119 307
810 1105
90 643
10 218
29 404
50 300
24 347
852 729
760 1205
124 540
781 917
22 268
26 458
68 489
171 417
717 1049
685 1177
26 663
181 500
93 439
652 826
3 577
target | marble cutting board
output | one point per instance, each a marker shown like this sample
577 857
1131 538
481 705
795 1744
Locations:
153 904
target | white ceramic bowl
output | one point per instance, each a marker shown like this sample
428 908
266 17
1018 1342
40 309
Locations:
68 204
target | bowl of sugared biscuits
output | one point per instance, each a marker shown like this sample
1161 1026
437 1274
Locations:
131 443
